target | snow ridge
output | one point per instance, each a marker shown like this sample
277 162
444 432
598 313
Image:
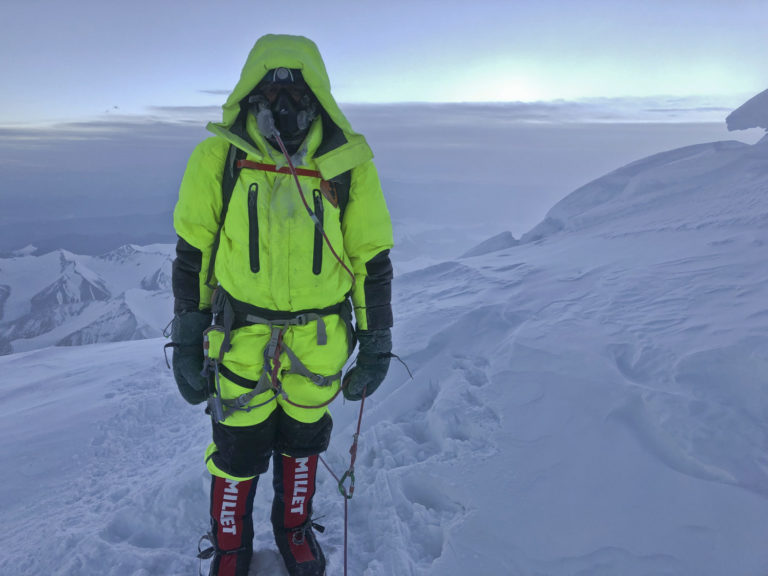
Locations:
752 114
661 188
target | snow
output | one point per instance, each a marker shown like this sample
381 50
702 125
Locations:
751 114
591 400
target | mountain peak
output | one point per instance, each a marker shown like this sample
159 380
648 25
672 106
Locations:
121 254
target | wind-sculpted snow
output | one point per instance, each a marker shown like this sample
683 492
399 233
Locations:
591 402
498 242
5 291
100 428
658 193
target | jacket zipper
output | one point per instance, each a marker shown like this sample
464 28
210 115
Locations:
253 219
317 260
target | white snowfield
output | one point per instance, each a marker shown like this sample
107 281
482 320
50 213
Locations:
590 402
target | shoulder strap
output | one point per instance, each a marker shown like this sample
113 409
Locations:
343 183
228 180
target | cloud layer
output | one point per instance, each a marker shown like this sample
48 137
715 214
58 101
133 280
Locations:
71 180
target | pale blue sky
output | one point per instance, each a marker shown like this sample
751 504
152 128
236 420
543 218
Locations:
76 60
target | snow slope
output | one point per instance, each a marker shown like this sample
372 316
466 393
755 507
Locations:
752 114
591 401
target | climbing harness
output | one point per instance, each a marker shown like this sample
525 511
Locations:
229 314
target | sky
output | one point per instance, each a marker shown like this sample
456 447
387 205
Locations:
114 97
86 59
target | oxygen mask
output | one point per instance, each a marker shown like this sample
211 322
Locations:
282 100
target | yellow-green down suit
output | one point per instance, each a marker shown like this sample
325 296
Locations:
267 257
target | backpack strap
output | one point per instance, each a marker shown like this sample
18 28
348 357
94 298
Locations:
339 185
228 180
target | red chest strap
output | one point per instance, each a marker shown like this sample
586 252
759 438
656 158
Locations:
273 168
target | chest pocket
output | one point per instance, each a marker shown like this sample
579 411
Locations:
236 160
317 258
253 226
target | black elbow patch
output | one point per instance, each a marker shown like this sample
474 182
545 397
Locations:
378 291
185 278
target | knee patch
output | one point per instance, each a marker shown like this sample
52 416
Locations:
301 439
243 452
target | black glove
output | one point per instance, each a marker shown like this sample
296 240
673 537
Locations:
187 336
371 365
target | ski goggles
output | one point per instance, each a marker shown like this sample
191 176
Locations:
272 91
283 80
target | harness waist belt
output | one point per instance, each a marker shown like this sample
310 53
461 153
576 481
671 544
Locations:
243 309
231 313
247 314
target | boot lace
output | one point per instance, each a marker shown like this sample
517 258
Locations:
298 534
211 551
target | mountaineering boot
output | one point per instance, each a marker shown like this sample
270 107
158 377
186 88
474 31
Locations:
294 483
231 534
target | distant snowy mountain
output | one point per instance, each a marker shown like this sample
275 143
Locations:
64 299
590 401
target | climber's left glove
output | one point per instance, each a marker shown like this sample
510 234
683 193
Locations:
371 366
188 357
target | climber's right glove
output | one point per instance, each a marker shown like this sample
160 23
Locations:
371 366
188 358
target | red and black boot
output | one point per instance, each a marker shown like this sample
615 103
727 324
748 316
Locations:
231 535
294 483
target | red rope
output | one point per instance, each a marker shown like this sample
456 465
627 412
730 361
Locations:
350 473
346 522
313 407
353 448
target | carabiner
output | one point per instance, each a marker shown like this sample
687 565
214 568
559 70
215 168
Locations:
351 475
